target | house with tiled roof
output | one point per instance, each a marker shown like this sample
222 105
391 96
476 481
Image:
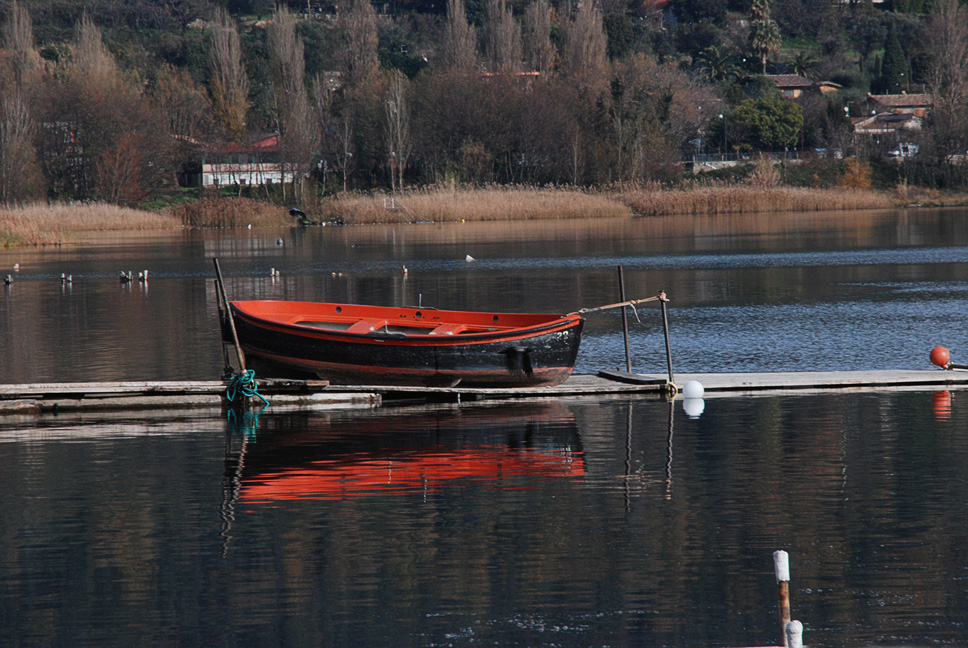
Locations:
792 86
893 117
911 104
902 126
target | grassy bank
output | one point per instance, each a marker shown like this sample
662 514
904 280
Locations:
44 224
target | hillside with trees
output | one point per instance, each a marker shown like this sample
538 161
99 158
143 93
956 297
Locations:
123 101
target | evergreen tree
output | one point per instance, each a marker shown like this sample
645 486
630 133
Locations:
894 65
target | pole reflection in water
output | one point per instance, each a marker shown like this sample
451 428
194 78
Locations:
240 429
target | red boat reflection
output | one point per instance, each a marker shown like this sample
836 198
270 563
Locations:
416 452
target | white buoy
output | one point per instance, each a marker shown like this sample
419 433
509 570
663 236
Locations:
794 633
468 258
693 389
693 407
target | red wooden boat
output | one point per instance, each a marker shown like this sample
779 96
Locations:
351 344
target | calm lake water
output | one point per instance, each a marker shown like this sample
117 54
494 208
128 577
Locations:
559 523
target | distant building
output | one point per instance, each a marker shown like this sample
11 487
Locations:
230 163
907 104
792 86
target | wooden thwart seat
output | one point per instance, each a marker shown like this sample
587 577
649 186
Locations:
367 326
448 329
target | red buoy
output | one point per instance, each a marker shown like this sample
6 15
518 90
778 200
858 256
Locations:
940 357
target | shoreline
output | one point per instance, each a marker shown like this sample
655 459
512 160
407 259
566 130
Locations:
42 224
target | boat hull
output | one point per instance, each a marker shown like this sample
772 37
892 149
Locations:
532 350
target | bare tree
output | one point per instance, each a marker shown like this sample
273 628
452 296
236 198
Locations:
459 50
358 24
585 57
297 127
20 175
185 106
502 38
396 126
336 125
947 36
119 172
18 39
91 61
229 85
539 53
187 112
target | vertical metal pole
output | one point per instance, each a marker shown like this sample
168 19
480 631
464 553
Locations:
625 320
668 482
665 327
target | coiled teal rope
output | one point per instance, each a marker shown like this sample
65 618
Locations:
244 383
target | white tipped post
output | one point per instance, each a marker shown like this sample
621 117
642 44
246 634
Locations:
781 563
794 634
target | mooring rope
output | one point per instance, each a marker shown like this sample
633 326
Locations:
244 383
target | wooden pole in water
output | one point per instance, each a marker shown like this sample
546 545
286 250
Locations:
781 564
625 320
225 300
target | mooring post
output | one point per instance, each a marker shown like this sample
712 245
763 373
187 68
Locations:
794 634
625 320
665 327
225 299
781 564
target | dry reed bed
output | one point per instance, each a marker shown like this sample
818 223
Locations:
230 212
490 204
44 224
740 199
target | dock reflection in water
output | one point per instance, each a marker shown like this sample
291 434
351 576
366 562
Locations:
317 459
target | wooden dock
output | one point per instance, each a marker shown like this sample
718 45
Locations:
39 398
294 394
803 382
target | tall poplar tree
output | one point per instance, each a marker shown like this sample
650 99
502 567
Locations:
229 85
585 58
502 37
359 54
459 50
539 53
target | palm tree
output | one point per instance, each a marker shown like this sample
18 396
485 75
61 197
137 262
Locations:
765 37
717 64
804 64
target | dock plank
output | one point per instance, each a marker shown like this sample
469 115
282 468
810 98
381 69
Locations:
783 381
318 393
